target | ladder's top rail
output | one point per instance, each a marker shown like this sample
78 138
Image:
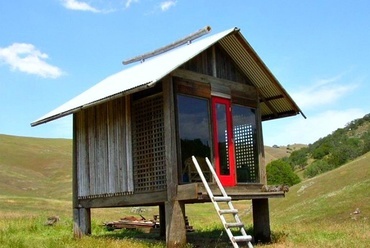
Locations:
219 184
204 180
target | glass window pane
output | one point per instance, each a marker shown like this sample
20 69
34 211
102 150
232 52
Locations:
193 126
222 144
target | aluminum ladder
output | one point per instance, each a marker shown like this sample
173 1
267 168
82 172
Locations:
244 237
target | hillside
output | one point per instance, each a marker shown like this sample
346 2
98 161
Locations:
35 181
35 167
331 196
278 152
42 167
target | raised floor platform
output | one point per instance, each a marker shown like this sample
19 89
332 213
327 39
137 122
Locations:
196 192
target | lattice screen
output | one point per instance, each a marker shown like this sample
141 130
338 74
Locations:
246 153
148 144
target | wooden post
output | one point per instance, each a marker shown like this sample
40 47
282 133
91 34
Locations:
261 147
174 209
261 220
175 224
162 221
81 216
81 222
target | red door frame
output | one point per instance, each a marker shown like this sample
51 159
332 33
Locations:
230 179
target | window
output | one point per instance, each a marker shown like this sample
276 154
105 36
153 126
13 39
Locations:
194 135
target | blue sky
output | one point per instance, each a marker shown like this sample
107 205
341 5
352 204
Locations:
52 50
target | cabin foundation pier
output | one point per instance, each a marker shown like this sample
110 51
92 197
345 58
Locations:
261 220
162 221
81 222
175 224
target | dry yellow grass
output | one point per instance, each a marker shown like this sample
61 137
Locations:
315 213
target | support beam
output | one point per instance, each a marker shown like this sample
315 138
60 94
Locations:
174 209
261 220
175 224
81 222
261 148
162 221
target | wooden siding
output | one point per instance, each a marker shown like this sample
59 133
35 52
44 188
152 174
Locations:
101 153
201 63
216 62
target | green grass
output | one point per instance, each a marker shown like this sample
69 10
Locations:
32 232
35 167
37 184
319 211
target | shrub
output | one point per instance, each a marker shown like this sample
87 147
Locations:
280 172
298 158
316 168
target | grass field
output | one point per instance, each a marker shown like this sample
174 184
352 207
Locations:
315 213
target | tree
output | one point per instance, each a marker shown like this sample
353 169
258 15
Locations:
366 139
298 158
316 168
279 172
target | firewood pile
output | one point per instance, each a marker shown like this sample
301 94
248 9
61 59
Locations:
147 226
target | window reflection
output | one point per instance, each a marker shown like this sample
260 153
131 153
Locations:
222 139
193 125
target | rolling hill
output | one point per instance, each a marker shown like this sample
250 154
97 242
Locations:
277 152
35 167
42 167
330 196
35 178
329 210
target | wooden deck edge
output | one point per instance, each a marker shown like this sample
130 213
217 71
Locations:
136 199
195 192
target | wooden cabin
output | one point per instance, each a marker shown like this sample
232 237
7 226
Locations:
134 132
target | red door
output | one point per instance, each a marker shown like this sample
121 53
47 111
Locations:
223 137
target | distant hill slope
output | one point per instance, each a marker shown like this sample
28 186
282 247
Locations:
331 196
334 150
35 167
39 167
278 152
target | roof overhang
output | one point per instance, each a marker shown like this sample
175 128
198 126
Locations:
275 101
138 76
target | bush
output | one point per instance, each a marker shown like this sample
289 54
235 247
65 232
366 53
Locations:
279 172
298 159
366 139
317 167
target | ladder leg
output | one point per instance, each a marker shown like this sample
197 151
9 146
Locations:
244 237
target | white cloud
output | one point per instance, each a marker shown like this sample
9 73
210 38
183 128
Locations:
129 2
324 91
166 5
79 5
26 58
299 130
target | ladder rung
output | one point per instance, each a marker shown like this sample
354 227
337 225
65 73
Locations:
246 238
222 198
231 225
228 211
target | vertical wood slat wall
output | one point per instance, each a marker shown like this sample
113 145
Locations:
102 167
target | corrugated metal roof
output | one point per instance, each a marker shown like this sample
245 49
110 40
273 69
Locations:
152 70
275 101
